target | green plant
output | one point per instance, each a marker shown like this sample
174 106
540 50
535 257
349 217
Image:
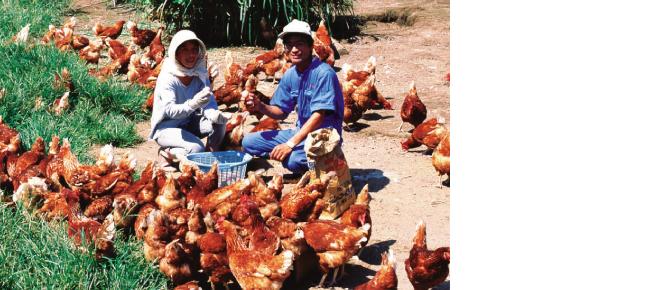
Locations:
36 254
237 21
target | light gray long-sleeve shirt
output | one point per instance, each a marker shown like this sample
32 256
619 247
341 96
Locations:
171 98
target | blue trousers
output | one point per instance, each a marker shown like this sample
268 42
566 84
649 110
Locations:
262 143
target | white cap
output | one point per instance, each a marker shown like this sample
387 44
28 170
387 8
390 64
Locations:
181 37
296 26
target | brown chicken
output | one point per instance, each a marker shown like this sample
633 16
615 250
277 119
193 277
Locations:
192 285
7 133
205 184
213 259
425 268
175 264
362 94
61 105
270 62
30 194
125 206
266 124
77 174
222 201
262 239
116 48
141 223
67 42
80 42
334 244
156 236
26 174
170 197
85 230
352 110
141 37
112 32
304 202
156 53
196 226
148 79
322 45
230 92
386 278
135 70
125 172
99 208
290 234
413 110
12 152
253 270
91 53
267 198
441 160
63 81
358 215
52 164
119 65
178 223
251 87
188 170
429 133
234 132
54 206
49 35
32 157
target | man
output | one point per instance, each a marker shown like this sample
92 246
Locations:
311 85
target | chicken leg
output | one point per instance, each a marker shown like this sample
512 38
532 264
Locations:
400 127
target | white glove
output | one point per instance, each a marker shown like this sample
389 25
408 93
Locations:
220 118
201 99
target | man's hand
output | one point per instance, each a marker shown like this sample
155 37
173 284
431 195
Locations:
280 152
252 103
201 99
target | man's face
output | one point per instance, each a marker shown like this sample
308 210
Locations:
297 49
187 54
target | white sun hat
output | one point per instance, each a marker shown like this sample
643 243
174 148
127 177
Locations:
296 26
182 36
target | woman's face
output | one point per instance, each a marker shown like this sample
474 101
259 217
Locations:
187 54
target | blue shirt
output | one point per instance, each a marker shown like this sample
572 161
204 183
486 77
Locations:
317 88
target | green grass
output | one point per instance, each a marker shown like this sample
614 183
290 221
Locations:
104 112
36 254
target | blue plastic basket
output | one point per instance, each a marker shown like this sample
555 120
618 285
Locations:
231 164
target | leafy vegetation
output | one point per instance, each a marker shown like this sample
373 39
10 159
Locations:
237 21
36 254
103 112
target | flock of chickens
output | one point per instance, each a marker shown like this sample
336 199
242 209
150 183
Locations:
246 232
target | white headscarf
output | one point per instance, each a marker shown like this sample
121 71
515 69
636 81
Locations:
172 66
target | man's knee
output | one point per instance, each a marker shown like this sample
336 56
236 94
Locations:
248 143
297 163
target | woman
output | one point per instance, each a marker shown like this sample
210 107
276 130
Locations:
184 108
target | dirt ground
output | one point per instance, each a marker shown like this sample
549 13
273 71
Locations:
402 184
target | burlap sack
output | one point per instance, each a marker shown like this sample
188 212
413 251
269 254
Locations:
323 156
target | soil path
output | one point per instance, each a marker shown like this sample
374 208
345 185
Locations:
402 184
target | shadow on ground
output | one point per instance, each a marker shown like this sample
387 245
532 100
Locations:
373 177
